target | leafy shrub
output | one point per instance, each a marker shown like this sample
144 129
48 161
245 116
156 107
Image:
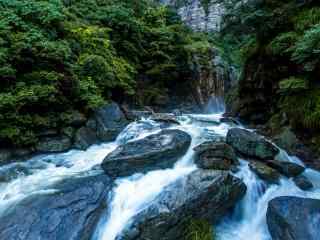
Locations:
293 85
283 43
303 109
307 50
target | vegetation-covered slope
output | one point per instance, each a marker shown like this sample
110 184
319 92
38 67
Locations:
276 46
57 56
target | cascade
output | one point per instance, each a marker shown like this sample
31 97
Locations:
133 194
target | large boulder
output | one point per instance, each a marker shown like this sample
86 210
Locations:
251 144
293 218
215 155
157 151
204 194
70 212
303 182
54 144
109 121
84 138
288 169
287 140
265 172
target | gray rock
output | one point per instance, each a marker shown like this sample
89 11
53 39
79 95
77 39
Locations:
69 213
84 138
199 16
110 121
287 140
215 155
5 155
293 218
157 151
54 144
229 120
265 172
251 144
303 182
204 194
288 169
165 118
137 115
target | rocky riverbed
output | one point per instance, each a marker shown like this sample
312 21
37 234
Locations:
156 176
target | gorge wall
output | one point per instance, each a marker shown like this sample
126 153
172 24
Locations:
212 79
200 15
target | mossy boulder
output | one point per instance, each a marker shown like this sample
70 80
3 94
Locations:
293 218
157 151
250 144
288 169
204 194
265 172
215 155
303 182
54 144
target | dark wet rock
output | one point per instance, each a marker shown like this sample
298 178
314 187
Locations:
20 153
229 120
15 154
204 194
71 212
288 169
109 122
293 218
84 138
54 144
303 182
165 118
5 155
251 144
287 140
215 155
48 133
265 172
157 151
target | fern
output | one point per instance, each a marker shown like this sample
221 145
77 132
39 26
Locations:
282 44
303 109
292 85
307 49
307 19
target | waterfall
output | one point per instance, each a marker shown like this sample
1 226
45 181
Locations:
215 105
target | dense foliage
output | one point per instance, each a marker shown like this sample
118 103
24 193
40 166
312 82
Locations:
58 56
276 45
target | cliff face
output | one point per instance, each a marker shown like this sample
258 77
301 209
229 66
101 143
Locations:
212 79
200 16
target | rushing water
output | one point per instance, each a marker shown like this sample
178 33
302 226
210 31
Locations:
131 195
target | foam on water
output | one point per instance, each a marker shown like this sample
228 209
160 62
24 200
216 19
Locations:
133 194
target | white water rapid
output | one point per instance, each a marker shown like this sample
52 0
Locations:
131 195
